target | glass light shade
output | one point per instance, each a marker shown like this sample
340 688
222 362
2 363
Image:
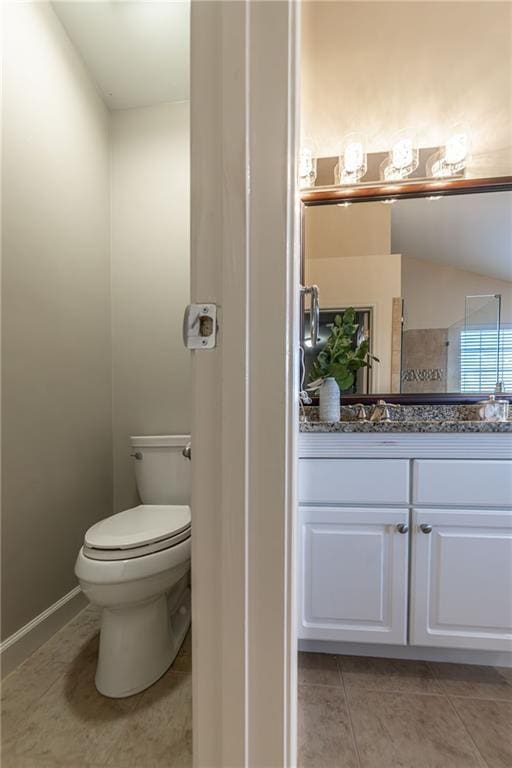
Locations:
352 163
307 165
403 157
354 156
401 153
452 158
457 148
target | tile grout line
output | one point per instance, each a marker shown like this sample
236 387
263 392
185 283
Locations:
458 697
459 718
473 742
395 691
349 713
30 754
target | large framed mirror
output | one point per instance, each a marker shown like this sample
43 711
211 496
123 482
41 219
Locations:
428 272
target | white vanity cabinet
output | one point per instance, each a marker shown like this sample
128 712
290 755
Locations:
353 562
403 550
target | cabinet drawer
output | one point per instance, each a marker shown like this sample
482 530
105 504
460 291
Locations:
354 481
474 483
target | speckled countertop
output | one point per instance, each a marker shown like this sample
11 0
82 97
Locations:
408 418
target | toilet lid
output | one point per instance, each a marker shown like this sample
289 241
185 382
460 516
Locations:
138 526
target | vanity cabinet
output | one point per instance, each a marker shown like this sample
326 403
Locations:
401 551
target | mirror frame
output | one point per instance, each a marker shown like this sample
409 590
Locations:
361 193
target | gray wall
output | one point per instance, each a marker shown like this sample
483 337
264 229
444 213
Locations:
150 280
95 279
56 406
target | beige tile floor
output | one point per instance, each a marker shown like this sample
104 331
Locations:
353 712
358 712
53 717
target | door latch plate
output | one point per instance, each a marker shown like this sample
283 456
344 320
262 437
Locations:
200 326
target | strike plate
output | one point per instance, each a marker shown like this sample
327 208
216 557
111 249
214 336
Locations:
200 326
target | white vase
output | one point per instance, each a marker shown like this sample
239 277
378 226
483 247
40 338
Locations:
329 400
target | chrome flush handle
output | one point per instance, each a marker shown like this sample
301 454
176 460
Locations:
402 528
426 528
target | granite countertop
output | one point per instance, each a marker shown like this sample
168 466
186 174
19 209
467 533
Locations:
406 426
413 418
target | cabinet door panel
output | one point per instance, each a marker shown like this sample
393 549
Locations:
353 575
462 579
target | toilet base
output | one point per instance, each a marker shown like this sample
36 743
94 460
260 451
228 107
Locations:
138 643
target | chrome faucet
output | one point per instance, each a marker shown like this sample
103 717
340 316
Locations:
359 412
380 412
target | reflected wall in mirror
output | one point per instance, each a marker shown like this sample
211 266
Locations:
431 279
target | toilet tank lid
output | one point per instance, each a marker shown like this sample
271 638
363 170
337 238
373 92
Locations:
160 441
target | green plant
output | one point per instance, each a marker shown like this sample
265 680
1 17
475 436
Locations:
341 357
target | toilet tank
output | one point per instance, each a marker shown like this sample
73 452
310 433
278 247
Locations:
162 473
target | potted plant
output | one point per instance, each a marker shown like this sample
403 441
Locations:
336 365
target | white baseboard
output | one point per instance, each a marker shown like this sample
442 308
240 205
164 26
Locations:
454 655
19 646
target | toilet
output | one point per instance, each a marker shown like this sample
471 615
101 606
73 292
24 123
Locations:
135 566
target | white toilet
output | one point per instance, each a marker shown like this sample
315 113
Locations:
135 565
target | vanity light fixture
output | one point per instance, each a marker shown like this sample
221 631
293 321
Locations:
452 158
344 204
390 201
434 197
352 162
402 159
307 164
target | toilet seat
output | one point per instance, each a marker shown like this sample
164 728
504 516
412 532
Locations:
139 531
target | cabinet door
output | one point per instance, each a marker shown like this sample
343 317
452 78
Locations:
353 574
461 587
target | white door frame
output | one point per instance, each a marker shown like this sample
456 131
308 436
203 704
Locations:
245 415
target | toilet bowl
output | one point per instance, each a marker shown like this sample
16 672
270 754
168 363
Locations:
135 566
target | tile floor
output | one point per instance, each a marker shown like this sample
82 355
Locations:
358 712
353 712
53 717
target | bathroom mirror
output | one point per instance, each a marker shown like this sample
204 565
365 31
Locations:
430 278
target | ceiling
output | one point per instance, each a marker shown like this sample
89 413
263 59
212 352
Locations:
137 51
470 232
